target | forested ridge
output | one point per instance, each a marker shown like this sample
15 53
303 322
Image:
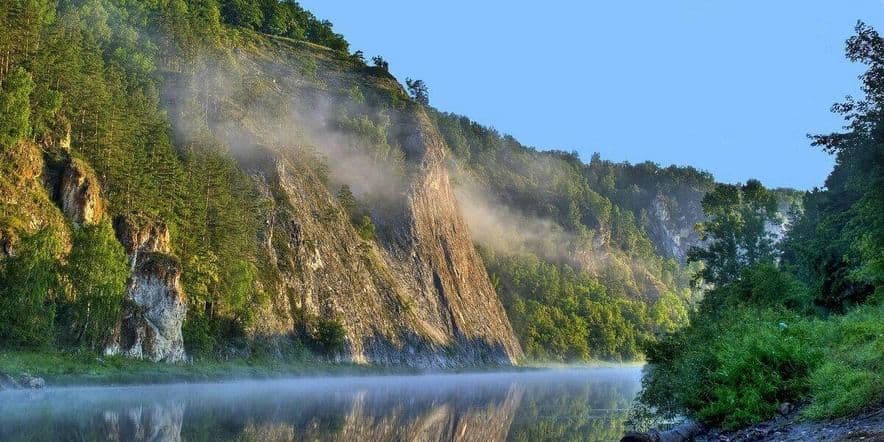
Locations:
91 80
89 75
591 260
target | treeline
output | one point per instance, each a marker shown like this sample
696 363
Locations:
796 321
610 289
285 18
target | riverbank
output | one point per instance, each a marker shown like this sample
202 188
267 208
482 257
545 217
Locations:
59 369
789 426
867 426
65 369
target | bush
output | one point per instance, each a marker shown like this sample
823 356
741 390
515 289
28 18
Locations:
328 336
757 364
762 285
96 271
733 371
853 375
28 284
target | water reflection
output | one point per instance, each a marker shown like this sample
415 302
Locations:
586 404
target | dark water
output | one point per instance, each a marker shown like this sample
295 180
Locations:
573 404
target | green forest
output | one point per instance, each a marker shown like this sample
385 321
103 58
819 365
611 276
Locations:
89 74
732 318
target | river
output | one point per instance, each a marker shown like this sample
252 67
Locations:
562 404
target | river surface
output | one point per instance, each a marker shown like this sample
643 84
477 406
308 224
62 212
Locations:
568 404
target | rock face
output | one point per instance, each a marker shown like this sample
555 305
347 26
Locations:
417 296
79 194
433 252
417 292
155 306
672 221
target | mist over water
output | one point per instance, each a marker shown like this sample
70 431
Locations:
584 404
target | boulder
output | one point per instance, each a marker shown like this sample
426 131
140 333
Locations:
682 432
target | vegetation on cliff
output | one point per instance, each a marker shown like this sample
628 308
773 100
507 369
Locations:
798 321
133 90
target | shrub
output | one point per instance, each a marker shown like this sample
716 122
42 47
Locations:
328 336
853 375
96 271
735 370
732 372
28 283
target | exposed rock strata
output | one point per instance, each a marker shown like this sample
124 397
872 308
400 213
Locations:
80 195
155 306
418 296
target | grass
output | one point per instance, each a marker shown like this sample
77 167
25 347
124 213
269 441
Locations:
852 376
63 369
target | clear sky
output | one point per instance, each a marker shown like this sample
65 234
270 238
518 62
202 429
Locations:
731 87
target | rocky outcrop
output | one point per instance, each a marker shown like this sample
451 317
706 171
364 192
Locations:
79 194
672 220
431 250
417 292
418 295
155 306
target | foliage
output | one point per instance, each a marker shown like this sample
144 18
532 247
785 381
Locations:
851 376
418 90
762 285
733 370
735 235
15 110
358 214
755 341
837 247
96 273
561 314
380 63
284 18
29 284
328 336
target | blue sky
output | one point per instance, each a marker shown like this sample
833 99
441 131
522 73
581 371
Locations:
731 87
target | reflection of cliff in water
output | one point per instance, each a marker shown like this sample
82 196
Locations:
480 407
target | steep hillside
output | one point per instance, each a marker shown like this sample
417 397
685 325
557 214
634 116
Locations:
223 179
239 224
590 259
415 290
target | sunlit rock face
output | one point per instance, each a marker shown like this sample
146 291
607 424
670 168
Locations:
155 306
416 293
79 194
417 296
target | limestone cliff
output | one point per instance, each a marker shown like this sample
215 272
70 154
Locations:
79 193
155 306
418 296
417 292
